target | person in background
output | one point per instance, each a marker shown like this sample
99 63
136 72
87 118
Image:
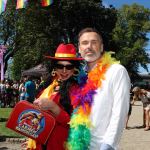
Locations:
56 98
135 91
8 94
15 88
37 83
2 93
144 96
103 101
22 89
30 89
42 85
130 110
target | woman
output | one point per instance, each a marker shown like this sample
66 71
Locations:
22 90
144 96
56 97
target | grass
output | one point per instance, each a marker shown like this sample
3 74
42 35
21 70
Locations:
5 112
4 115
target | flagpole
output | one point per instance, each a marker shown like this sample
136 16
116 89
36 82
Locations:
2 51
2 68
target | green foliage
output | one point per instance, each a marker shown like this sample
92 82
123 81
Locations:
38 30
130 38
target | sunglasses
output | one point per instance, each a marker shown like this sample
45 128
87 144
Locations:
68 67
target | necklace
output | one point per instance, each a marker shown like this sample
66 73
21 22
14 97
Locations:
82 99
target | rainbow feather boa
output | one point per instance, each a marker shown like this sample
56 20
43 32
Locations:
82 99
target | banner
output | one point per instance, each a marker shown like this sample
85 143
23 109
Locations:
22 4
2 5
46 2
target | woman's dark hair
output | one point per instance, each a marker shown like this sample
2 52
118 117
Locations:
65 100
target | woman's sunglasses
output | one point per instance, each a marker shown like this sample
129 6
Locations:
68 67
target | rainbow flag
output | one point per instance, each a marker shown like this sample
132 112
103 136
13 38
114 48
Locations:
2 5
21 4
46 2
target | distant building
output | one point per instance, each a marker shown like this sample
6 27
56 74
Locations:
143 81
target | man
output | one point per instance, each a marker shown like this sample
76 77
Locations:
30 90
111 101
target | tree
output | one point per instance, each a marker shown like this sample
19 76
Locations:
7 31
129 36
38 30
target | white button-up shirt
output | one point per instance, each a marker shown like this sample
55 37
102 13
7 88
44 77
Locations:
110 108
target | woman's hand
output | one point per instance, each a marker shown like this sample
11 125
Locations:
46 104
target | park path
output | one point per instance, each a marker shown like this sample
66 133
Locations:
133 139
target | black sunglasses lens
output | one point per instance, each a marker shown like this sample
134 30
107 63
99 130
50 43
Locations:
59 66
68 67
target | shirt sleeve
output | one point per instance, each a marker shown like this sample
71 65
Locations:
121 96
63 118
106 147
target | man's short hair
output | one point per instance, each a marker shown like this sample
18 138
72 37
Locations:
90 30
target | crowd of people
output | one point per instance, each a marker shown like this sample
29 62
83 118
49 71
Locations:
13 91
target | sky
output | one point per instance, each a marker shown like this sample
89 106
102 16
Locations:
118 4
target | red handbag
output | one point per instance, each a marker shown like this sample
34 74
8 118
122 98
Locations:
28 120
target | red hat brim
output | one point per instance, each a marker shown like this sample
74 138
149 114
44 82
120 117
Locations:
65 58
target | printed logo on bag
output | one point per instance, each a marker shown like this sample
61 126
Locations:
31 122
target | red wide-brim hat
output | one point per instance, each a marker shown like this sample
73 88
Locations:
65 52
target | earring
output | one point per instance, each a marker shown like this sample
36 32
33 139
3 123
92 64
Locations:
76 72
53 73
